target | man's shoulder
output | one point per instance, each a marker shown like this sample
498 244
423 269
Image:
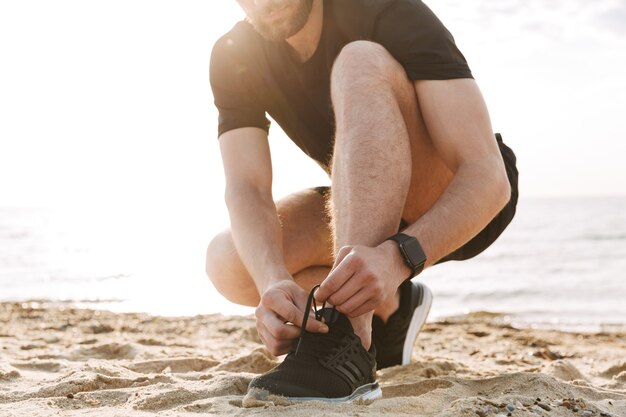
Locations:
238 42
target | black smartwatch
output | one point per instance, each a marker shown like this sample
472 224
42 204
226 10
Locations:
411 251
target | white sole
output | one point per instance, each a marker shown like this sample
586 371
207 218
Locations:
417 322
366 392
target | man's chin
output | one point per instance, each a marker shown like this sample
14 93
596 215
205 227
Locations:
284 26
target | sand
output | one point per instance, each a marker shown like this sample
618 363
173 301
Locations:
61 361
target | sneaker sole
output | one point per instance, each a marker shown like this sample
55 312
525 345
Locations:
366 392
417 322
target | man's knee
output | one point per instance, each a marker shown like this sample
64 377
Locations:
365 60
219 255
227 273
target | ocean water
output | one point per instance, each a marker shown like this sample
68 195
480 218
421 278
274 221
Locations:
561 264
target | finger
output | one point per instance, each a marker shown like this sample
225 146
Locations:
265 337
343 252
337 278
354 302
275 346
369 306
347 291
279 330
313 324
281 347
291 313
300 300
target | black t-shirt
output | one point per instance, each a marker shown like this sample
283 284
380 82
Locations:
251 76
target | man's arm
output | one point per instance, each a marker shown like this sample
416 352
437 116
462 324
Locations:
257 235
458 123
254 222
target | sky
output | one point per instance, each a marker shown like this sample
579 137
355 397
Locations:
108 104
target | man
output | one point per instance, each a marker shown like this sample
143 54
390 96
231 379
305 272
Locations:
378 94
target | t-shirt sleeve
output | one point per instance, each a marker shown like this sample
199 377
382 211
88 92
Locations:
234 90
412 33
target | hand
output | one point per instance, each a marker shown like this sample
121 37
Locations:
279 316
362 278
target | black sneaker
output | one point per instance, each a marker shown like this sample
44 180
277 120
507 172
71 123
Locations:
332 367
394 341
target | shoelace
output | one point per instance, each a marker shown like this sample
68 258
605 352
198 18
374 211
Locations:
307 310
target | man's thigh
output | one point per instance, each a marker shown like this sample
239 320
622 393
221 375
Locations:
306 243
307 236
306 233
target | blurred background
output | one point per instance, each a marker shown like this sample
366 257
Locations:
111 183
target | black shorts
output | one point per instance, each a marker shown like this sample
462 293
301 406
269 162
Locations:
494 229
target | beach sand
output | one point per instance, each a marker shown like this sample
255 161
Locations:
63 361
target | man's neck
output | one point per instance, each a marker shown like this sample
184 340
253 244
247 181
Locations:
305 42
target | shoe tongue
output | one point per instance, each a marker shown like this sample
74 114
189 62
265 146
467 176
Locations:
336 321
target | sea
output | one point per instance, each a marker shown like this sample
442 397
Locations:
560 264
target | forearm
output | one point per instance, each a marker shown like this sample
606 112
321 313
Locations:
257 235
475 196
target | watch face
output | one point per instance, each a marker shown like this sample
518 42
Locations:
413 252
